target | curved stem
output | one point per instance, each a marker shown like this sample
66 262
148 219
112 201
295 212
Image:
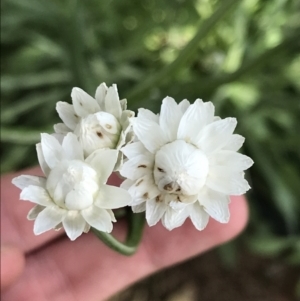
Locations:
134 235
135 228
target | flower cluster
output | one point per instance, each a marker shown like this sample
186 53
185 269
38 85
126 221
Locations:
181 163
100 122
77 160
184 163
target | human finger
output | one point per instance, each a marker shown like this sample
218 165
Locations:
12 265
87 270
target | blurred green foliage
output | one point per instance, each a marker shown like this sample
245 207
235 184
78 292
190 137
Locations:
242 55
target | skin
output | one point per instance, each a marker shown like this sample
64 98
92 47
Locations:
51 267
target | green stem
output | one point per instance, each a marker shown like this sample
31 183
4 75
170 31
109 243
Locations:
185 55
29 103
134 235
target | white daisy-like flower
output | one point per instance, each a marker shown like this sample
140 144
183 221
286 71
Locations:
100 122
185 164
73 194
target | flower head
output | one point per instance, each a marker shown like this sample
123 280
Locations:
98 123
73 194
184 164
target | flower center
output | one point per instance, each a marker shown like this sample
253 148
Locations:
180 168
99 130
72 185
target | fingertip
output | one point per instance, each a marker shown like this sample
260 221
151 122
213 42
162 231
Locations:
12 265
168 247
238 220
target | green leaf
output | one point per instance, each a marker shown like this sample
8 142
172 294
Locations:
269 245
10 83
29 103
185 55
21 135
284 198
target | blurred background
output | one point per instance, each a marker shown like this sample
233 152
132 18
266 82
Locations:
244 56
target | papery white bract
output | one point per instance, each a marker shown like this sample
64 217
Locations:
184 164
98 123
73 194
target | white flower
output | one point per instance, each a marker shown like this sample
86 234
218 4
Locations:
185 164
98 123
73 194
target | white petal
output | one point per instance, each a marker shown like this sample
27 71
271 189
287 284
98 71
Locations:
112 216
61 128
58 227
137 167
126 184
72 147
44 166
36 195
67 114
109 122
119 162
144 188
193 121
148 115
26 180
139 208
123 103
227 181
174 219
154 211
52 150
79 198
121 142
98 218
48 219
111 197
34 212
198 216
134 149
185 163
149 133
58 137
138 201
216 205
83 103
183 105
234 143
74 224
100 95
126 120
215 135
174 204
188 199
169 118
231 160
209 112
112 102
103 161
